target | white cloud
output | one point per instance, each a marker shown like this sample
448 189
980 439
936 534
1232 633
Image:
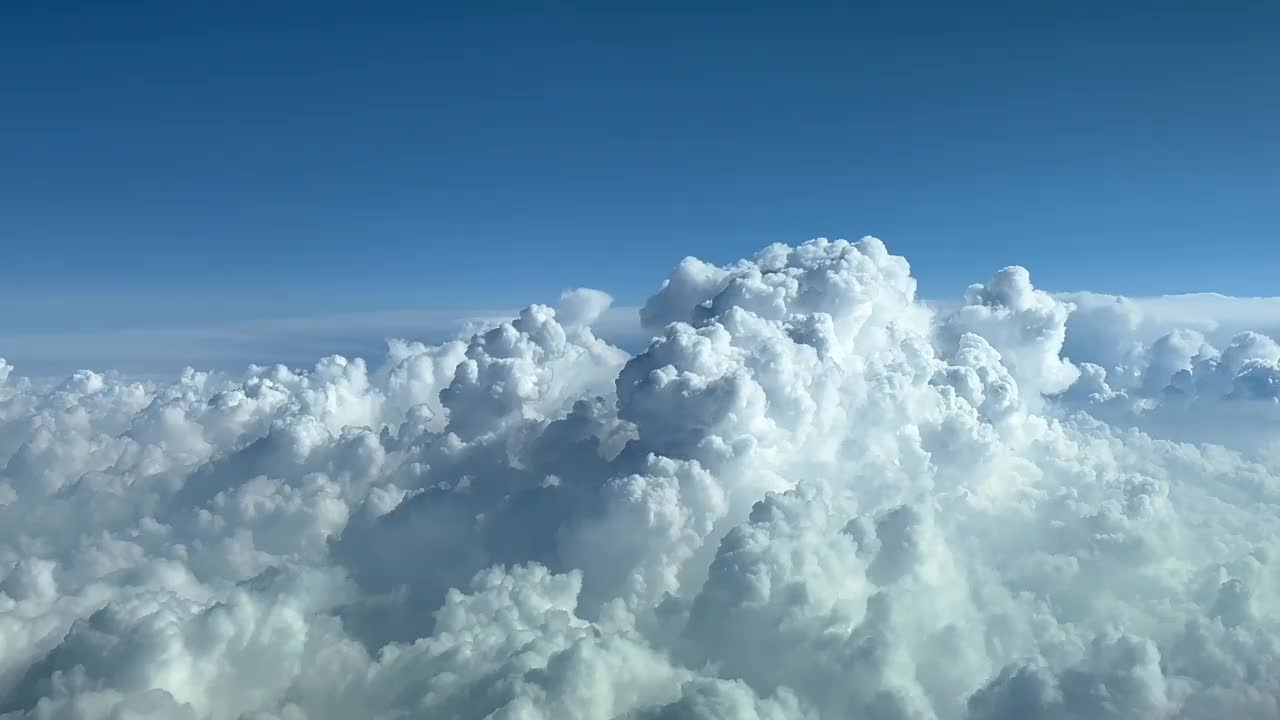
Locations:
1219 317
1156 363
810 496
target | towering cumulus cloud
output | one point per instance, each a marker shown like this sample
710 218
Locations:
811 496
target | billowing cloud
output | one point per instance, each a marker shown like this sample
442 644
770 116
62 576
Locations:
1203 380
810 496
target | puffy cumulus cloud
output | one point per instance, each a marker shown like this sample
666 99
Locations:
1141 368
1026 326
1105 326
810 496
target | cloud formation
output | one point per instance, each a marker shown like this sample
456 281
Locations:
810 496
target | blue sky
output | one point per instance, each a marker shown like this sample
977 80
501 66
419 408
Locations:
181 164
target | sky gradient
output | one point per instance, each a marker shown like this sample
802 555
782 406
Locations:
172 165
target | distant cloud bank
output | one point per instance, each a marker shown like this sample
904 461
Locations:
783 488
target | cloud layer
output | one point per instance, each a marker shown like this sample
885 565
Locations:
810 496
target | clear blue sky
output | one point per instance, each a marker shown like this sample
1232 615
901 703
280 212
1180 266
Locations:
167 163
